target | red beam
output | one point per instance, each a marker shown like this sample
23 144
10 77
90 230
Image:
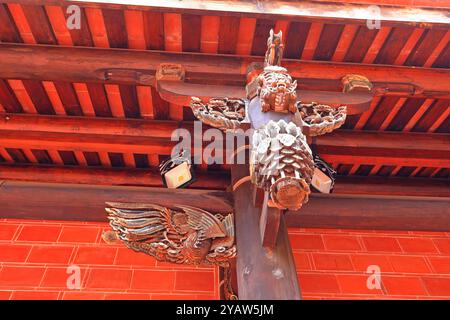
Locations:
106 176
41 62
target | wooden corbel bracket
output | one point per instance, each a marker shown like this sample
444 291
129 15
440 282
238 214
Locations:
180 93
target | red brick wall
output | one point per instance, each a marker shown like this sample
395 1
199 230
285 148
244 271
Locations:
34 256
332 264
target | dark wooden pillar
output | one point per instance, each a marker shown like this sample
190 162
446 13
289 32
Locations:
262 273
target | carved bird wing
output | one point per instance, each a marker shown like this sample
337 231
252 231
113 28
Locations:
205 222
137 222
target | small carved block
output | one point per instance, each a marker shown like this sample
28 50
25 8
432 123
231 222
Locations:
170 72
353 81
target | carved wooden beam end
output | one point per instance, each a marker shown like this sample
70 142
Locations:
182 234
282 163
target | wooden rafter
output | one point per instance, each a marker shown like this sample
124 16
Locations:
312 11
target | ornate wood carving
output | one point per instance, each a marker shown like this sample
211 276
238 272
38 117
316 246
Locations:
223 113
184 234
352 81
318 119
282 163
170 71
277 91
275 49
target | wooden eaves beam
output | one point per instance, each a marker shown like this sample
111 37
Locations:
345 185
142 136
135 67
57 201
355 13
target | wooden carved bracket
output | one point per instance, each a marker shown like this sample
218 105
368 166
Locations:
183 235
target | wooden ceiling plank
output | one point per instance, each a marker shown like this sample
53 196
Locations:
395 109
311 41
209 36
52 93
443 117
191 25
58 23
365 116
377 44
429 42
30 156
6 156
172 32
97 27
245 36
84 98
144 94
409 46
423 108
104 159
115 101
437 50
345 40
129 161
134 21
80 158
23 96
21 23
8 29
55 157
335 12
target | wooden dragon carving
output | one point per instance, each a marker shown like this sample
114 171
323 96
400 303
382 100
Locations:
183 235
281 160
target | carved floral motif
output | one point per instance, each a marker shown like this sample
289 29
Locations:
223 113
318 119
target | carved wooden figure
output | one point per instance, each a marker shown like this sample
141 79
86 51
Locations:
184 234
275 48
277 91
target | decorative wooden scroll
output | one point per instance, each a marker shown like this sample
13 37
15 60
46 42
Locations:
183 235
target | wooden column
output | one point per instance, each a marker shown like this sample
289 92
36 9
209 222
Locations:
262 273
